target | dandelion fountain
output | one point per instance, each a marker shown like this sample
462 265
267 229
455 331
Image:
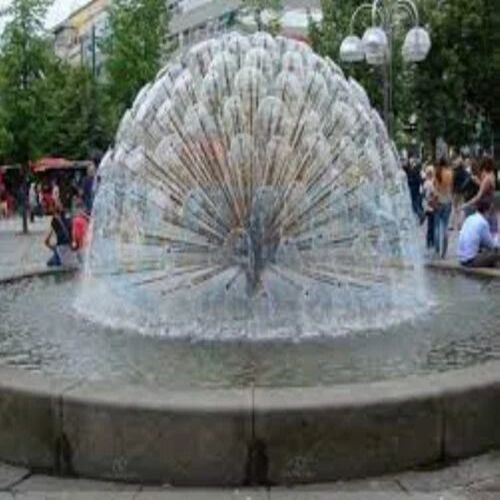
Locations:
251 185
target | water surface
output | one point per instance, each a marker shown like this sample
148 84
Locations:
42 332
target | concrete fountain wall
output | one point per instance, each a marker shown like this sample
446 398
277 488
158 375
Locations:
250 436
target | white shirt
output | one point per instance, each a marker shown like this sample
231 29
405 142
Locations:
475 234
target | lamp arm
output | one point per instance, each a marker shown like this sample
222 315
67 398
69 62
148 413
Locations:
411 8
363 6
378 7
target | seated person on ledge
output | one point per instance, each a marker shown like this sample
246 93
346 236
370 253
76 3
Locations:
60 231
476 246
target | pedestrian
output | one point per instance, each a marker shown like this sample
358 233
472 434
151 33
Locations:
443 189
414 177
58 239
476 246
39 199
80 230
33 201
88 188
4 202
56 192
486 182
429 203
460 179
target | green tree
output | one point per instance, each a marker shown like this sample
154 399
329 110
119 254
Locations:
134 49
258 6
24 58
453 88
75 121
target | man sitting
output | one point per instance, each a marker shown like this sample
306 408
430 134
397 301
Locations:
476 247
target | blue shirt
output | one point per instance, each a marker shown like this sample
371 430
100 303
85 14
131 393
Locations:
475 234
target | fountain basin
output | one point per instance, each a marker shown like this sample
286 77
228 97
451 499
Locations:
247 436
248 433
42 332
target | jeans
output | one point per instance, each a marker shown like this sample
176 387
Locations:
492 219
441 221
55 260
416 201
485 258
61 256
430 229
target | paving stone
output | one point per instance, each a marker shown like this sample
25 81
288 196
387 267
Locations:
74 495
375 485
462 474
489 484
10 475
308 494
72 489
441 495
482 495
206 494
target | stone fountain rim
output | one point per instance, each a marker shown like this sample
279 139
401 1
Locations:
257 435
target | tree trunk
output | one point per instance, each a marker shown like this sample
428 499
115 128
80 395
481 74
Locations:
24 197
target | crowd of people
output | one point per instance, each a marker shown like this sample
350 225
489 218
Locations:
7 200
457 195
68 235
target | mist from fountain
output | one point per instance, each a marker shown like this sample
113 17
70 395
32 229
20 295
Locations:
252 192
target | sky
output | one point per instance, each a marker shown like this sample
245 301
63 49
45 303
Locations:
57 12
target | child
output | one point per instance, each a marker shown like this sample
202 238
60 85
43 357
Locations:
80 230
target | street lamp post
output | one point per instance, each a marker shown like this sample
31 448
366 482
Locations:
377 42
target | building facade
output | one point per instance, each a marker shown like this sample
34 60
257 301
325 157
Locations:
77 38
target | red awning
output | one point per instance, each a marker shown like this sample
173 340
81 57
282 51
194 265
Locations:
47 164
51 164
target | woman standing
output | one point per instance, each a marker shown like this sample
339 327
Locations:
428 194
443 191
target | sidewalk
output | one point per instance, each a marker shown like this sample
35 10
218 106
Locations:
473 479
20 252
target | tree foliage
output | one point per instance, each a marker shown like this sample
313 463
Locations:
258 7
451 91
134 49
24 59
46 106
76 125
453 88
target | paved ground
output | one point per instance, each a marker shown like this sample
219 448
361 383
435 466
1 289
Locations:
474 479
19 252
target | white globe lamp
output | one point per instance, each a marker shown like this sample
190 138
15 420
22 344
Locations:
417 45
351 49
376 46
